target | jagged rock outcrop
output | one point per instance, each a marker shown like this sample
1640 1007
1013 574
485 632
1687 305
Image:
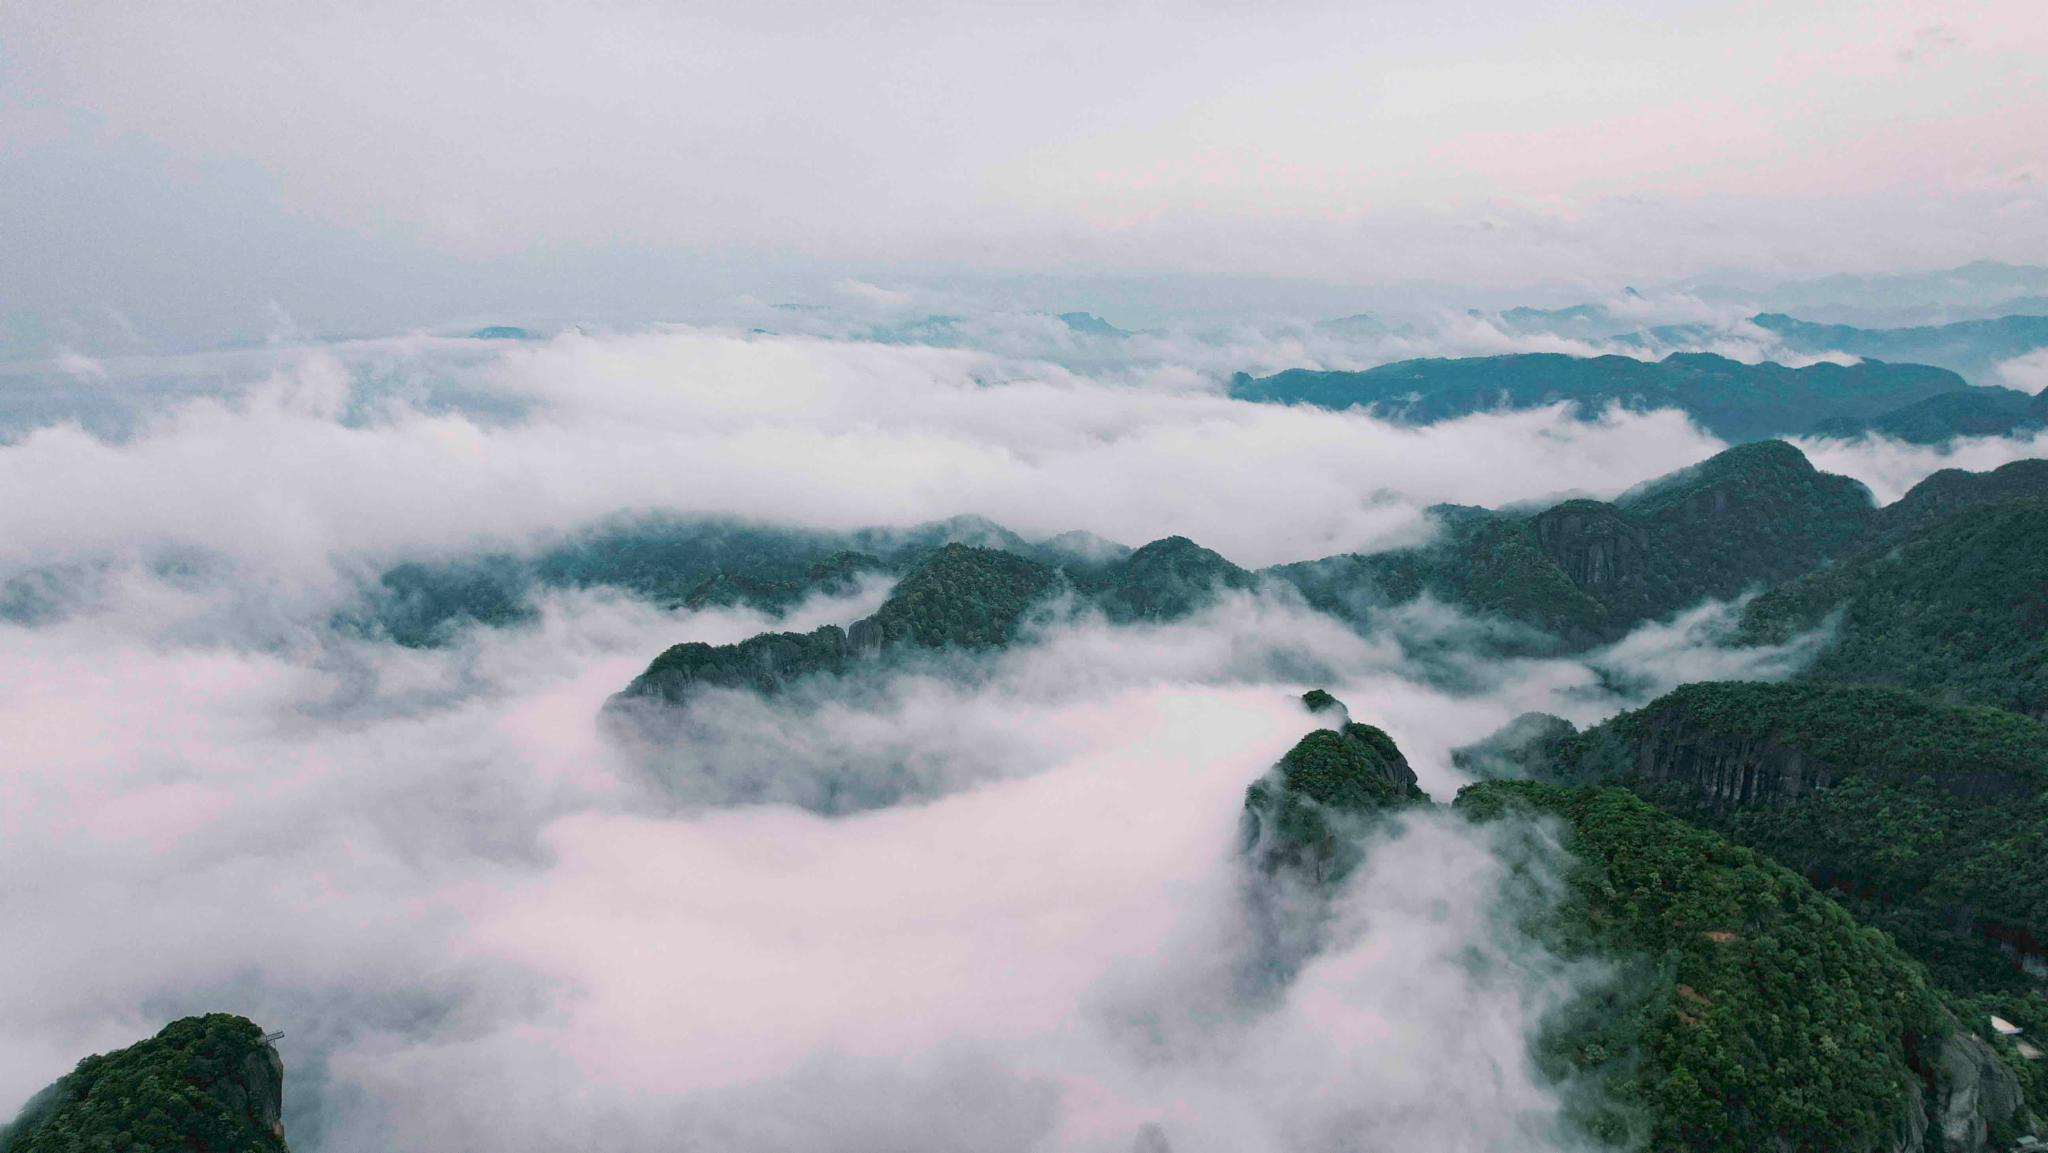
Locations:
211 1084
1304 815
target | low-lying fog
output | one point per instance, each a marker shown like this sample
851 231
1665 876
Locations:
481 926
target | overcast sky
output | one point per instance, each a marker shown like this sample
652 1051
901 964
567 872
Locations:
177 168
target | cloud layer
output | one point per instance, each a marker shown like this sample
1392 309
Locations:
482 925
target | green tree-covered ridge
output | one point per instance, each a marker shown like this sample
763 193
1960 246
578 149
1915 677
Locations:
1587 571
207 1084
1928 820
1744 1010
1739 1010
956 597
1948 593
1961 613
1735 1006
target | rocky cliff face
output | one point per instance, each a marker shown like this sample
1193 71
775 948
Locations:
1978 1096
1728 770
1593 542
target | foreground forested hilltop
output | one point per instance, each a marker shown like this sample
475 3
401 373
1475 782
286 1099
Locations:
211 1084
1741 1009
1925 820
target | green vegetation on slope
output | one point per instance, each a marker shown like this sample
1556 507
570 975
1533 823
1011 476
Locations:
205 1084
958 597
954 597
1927 820
1972 412
1305 815
1749 1012
1164 580
1954 603
1587 571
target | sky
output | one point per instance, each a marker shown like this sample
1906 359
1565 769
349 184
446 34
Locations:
179 173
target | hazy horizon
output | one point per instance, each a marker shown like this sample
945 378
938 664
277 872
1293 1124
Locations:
181 175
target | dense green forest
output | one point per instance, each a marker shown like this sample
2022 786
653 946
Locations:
1721 1001
1925 819
1955 604
1588 571
207 1084
1743 1010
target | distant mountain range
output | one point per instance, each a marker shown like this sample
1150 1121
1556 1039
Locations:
1978 289
1734 401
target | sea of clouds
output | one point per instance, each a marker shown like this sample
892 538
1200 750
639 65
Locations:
481 924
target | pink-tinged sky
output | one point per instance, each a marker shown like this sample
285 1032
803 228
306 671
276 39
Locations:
151 149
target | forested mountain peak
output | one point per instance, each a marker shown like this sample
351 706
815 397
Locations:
211 1084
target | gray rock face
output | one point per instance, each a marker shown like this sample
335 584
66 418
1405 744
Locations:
1594 543
262 1080
1978 1093
1730 771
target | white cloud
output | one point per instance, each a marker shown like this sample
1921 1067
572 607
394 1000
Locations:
299 472
1890 467
79 366
478 925
2028 373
